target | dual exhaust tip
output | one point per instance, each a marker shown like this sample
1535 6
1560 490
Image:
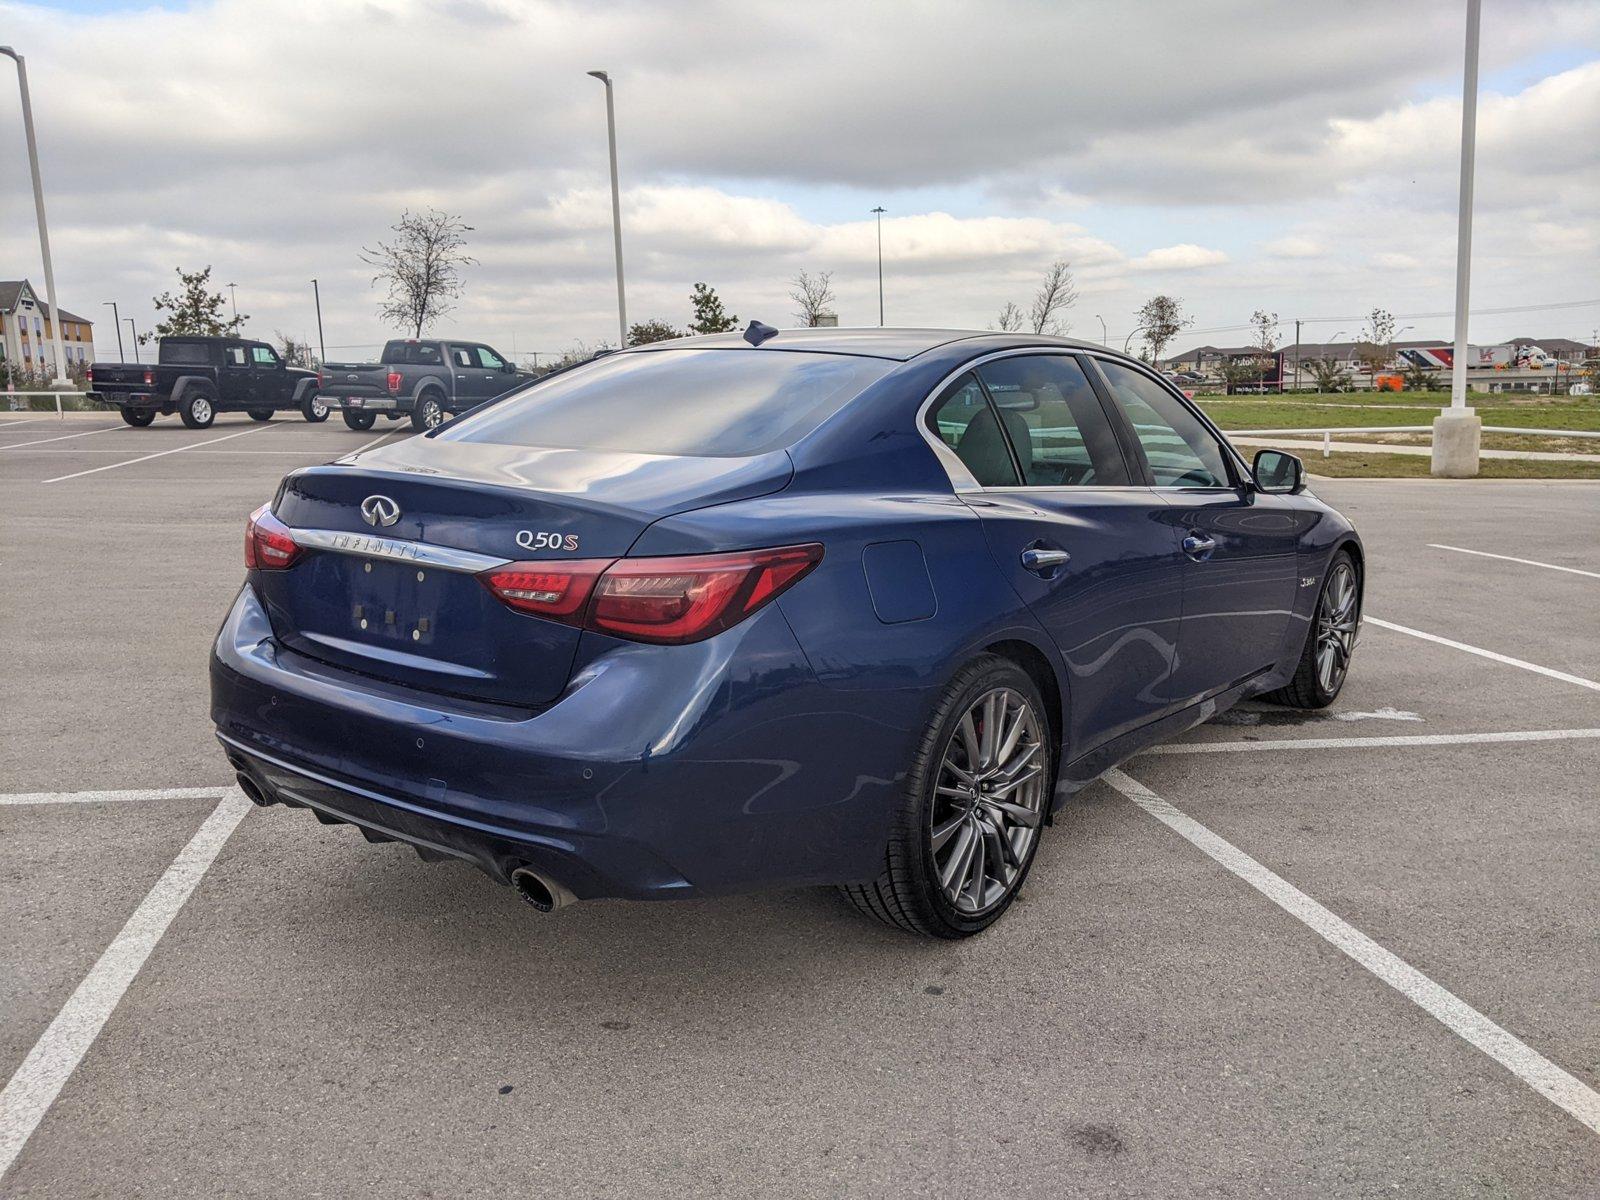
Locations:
543 894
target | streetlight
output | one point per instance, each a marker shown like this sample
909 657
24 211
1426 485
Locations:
1128 341
1103 334
116 323
1457 430
616 205
233 300
879 211
60 380
322 347
135 329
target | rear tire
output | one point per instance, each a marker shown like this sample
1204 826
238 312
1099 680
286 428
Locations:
986 850
428 413
260 414
198 409
314 410
138 417
360 421
1325 658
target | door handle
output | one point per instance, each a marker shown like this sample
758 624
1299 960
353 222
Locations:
1198 546
1044 560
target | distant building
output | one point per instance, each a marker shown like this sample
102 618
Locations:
27 336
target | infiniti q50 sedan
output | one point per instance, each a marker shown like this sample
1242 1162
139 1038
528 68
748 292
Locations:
848 607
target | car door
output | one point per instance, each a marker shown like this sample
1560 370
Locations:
498 376
467 375
237 382
269 376
1240 545
1084 545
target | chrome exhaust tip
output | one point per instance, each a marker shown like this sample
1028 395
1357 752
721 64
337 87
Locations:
543 894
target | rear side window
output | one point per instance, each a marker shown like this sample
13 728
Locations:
188 354
1179 448
713 403
1054 420
416 354
234 357
967 424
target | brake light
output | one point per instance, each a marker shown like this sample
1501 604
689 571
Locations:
394 382
663 600
149 378
322 380
269 544
88 376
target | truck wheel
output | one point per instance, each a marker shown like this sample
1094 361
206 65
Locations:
314 410
428 414
138 417
260 414
359 420
198 409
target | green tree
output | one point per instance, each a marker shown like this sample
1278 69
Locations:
708 314
1330 376
1162 318
193 310
653 330
1375 350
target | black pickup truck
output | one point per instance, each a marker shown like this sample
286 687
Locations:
198 377
426 380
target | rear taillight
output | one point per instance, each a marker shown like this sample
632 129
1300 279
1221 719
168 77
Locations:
149 378
322 380
667 600
394 382
269 544
89 376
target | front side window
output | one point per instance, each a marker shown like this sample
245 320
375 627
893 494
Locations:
968 424
1181 451
1051 414
711 403
264 356
489 359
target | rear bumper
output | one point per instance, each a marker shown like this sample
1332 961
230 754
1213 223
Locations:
128 399
364 402
661 772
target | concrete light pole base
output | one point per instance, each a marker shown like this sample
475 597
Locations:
1456 434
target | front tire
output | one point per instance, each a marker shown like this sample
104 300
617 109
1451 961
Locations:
138 417
1325 659
976 798
313 410
359 421
428 413
198 409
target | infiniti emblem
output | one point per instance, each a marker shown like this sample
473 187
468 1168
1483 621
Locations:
380 511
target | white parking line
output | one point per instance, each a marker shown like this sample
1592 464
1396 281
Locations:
1551 672
63 437
1538 1072
1365 743
204 793
162 453
59 1050
1527 562
10 424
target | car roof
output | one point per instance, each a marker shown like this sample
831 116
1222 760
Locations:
900 345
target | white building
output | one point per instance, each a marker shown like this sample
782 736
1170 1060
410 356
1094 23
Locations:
27 339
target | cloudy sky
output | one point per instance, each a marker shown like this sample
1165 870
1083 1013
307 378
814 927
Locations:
1298 158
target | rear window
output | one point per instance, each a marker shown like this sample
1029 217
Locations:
416 354
189 354
703 403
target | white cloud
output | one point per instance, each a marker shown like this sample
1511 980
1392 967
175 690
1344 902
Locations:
1184 257
1295 247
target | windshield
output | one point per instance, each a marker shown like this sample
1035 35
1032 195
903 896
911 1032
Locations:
701 403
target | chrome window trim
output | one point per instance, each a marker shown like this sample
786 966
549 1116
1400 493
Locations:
362 545
1246 475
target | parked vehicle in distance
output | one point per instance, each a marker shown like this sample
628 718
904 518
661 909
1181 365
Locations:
198 377
820 606
427 380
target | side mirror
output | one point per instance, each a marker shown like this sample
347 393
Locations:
1278 473
507 368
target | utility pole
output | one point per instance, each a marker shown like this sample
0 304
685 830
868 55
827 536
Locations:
1457 431
1296 359
322 346
116 323
60 381
616 209
135 330
879 211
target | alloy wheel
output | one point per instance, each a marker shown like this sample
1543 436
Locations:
201 408
1336 626
988 801
318 411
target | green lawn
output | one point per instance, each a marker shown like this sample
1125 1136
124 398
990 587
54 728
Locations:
1395 408
1411 466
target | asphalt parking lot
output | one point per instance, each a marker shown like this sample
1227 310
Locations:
1347 953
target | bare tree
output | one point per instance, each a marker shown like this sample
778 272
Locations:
1161 318
814 295
294 352
1375 350
1265 325
421 267
1055 295
1010 319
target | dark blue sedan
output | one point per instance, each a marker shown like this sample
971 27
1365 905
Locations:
853 607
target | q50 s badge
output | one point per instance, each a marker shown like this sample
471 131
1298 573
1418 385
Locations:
528 539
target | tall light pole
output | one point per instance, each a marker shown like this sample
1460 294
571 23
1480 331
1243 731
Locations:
135 330
322 346
1457 430
44 232
116 323
1103 333
233 301
616 207
878 212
